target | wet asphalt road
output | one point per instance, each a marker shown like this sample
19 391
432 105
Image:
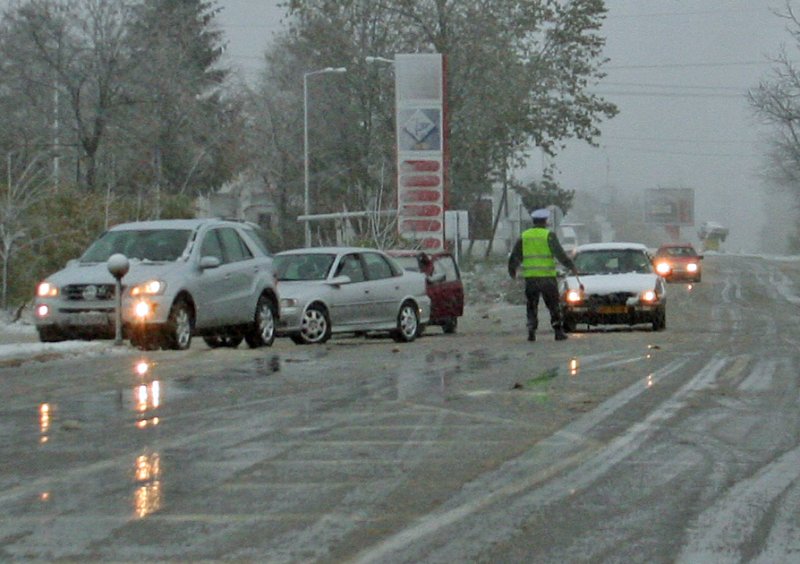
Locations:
615 446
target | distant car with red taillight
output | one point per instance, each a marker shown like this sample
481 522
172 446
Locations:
444 284
678 262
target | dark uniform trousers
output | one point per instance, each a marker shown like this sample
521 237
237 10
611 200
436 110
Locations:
547 287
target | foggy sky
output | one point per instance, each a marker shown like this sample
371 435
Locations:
679 71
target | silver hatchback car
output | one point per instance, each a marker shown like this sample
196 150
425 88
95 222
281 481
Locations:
207 277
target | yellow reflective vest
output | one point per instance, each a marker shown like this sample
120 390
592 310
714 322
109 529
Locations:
537 258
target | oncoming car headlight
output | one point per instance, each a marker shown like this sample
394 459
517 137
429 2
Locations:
691 267
663 268
649 296
149 288
46 290
574 296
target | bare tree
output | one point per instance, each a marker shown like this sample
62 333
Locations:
21 193
81 48
776 101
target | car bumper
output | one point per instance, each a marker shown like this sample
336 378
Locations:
683 275
289 321
97 319
628 314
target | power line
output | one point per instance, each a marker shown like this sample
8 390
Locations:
688 87
688 65
669 94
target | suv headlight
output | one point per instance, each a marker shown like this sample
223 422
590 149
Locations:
46 290
149 288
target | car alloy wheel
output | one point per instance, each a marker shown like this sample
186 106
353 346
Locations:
407 321
179 327
315 327
263 332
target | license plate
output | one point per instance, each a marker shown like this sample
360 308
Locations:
89 318
612 309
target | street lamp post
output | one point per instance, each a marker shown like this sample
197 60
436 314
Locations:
306 207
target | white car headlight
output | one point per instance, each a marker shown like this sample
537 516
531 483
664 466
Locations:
46 290
574 296
149 288
663 268
649 296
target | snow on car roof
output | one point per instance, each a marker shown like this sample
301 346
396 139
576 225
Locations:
610 247
166 224
328 250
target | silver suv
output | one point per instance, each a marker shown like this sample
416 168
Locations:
206 277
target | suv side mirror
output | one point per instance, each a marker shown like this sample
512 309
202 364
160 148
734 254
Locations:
209 262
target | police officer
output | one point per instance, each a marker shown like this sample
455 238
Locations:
537 251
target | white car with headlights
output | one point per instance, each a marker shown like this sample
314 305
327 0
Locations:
616 285
328 290
186 277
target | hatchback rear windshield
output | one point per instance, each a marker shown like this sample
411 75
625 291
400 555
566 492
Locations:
160 245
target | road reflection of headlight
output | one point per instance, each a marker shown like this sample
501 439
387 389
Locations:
574 366
148 396
142 367
44 422
147 497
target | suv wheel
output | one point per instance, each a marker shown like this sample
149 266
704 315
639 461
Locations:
262 332
178 331
407 322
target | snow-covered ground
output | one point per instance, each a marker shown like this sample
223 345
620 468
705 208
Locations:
19 341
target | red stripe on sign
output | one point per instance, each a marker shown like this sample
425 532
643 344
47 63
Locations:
421 196
419 166
422 225
431 243
421 180
424 211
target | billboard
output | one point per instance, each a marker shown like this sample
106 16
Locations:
669 206
419 93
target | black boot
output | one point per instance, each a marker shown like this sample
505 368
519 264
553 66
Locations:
560 335
531 335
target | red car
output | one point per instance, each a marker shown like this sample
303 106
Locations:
679 261
444 284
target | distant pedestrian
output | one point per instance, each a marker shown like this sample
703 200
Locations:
537 251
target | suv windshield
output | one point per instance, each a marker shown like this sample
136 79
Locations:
612 261
162 245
